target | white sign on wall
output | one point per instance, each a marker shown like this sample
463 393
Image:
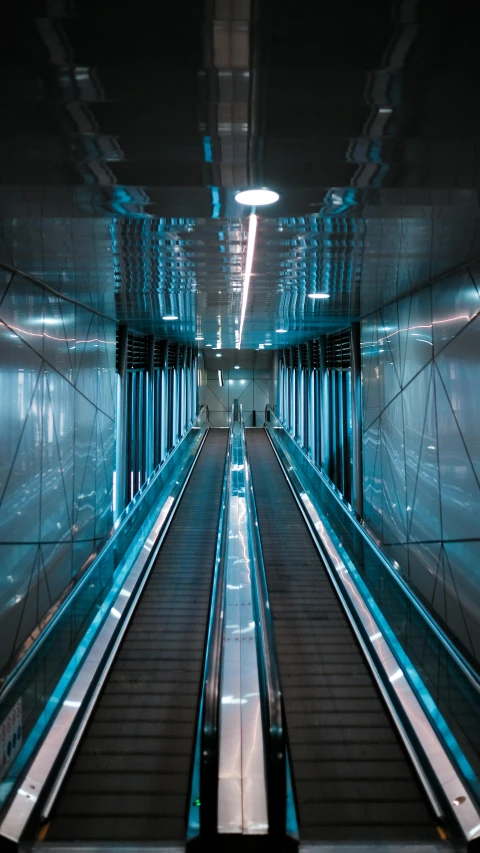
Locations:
10 737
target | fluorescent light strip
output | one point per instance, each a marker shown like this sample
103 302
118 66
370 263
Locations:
252 230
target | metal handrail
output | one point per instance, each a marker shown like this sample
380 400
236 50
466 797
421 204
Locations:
49 760
109 542
269 674
209 728
430 744
454 653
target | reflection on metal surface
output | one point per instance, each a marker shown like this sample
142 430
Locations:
252 230
242 803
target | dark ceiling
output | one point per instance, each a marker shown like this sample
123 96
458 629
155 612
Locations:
125 137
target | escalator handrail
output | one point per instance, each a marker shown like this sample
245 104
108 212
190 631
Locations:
269 673
107 545
453 652
210 700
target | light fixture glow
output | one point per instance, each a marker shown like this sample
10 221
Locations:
252 230
220 378
208 345
257 197
200 338
281 331
218 354
319 296
268 343
170 317
237 367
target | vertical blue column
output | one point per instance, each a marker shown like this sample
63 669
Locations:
357 473
164 413
149 412
174 403
121 425
300 407
311 413
324 407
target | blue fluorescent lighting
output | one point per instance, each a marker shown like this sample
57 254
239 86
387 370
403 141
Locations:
207 149
216 203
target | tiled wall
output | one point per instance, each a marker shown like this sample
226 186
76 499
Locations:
421 444
250 387
57 409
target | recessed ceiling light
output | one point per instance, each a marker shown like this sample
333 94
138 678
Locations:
218 354
319 296
200 338
281 331
257 197
208 345
261 346
237 367
268 343
170 317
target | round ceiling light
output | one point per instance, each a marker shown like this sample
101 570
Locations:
257 197
237 367
319 296
199 338
281 331
219 354
170 317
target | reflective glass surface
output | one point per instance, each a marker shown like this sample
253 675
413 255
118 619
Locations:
56 455
421 446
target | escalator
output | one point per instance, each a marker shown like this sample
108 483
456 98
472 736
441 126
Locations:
354 781
129 780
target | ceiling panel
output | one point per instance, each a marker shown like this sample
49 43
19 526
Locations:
125 138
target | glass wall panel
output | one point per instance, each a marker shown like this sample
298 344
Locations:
421 446
57 381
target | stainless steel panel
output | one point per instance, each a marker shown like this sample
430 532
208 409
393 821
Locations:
419 345
421 458
21 446
370 370
455 301
85 469
459 368
371 457
459 490
388 334
242 804
57 462
393 473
